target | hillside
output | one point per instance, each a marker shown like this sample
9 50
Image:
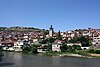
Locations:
18 28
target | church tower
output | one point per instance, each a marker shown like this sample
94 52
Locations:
51 31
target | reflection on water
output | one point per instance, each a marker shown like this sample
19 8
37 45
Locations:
6 64
55 61
12 59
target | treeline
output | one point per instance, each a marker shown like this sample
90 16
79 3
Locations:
1 53
18 28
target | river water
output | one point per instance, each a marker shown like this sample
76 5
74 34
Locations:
11 59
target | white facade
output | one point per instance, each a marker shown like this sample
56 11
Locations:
83 48
72 35
40 50
34 40
56 47
96 39
71 44
18 46
18 43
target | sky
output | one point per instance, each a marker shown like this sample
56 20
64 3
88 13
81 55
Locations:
63 15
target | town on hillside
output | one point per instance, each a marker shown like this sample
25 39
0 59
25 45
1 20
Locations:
18 38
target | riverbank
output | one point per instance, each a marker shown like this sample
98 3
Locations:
16 59
66 54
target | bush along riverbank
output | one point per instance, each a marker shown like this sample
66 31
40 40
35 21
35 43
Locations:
1 53
74 51
65 54
30 49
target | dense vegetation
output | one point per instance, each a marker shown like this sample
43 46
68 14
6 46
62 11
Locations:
65 48
83 40
18 28
1 54
94 51
30 49
48 40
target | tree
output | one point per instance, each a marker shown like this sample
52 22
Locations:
84 41
50 40
45 32
59 37
34 49
1 54
64 47
70 49
73 40
77 47
49 47
26 50
30 49
44 41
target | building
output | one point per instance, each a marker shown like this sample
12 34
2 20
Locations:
51 31
71 44
18 45
56 47
96 41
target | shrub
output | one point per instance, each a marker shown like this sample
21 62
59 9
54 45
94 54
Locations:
97 51
1 54
91 51
26 50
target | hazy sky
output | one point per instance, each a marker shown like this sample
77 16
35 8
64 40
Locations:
62 14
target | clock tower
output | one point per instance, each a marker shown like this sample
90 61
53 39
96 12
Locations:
51 31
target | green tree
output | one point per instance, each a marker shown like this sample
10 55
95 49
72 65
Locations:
45 32
50 40
49 47
77 47
84 41
73 40
30 49
71 49
26 50
59 37
34 49
64 47
44 41
1 54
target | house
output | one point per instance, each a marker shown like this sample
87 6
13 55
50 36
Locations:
18 45
42 48
96 40
56 47
35 39
7 46
79 44
84 48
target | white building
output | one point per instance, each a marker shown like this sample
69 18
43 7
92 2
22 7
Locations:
96 40
56 47
18 45
71 44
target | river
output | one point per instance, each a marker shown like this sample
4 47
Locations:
11 59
